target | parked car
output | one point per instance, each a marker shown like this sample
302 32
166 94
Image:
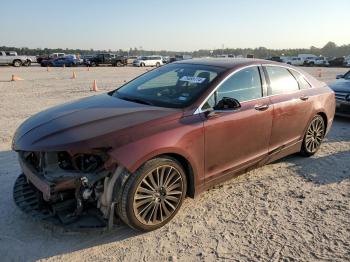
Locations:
307 56
341 87
276 59
11 58
138 151
29 59
166 59
69 60
48 61
316 61
337 61
148 61
107 59
44 60
347 61
182 57
297 61
131 59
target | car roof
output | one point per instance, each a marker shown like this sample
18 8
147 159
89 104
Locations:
227 62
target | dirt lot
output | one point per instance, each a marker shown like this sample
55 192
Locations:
296 209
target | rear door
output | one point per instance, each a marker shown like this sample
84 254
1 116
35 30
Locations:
292 107
235 139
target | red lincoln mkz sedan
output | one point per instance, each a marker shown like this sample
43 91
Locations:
135 153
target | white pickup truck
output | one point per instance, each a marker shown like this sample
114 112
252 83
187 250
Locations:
11 58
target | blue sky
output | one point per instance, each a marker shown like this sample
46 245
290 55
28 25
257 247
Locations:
180 25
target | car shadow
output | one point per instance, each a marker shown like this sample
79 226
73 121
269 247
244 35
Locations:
331 163
25 239
321 170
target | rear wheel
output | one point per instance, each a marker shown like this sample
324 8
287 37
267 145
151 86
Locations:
17 63
142 64
28 63
313 136
157 64
119 63
153 194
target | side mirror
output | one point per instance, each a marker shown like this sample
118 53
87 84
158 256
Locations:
339 76
227 103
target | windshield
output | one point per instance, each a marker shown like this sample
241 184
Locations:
175 85
347 76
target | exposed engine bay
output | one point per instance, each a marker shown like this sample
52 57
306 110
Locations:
68 188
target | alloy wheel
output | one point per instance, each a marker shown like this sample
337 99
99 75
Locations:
314 134
158 195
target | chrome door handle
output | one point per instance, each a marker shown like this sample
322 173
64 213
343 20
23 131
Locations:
304 98
261 107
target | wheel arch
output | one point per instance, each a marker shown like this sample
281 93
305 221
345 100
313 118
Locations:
184 159
325 118
188 171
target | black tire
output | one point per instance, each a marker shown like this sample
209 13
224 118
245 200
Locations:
119 64
157 64
17 63
142 64
28 63
157 200
313 137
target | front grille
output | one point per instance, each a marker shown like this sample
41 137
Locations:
341 95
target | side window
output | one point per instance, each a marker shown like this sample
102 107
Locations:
303 84
281 81
244 85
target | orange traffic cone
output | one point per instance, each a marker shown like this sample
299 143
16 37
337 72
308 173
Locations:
16 78
74 76
94 86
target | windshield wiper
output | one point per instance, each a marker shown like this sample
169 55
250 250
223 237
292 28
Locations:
136 100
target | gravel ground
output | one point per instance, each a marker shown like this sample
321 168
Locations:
296 209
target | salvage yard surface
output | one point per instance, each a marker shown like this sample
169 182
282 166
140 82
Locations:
296 209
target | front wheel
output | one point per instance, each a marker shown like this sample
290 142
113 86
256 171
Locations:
157 64
313 136
153 194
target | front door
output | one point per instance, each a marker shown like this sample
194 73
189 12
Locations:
235 139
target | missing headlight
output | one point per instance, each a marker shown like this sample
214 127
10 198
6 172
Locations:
85 163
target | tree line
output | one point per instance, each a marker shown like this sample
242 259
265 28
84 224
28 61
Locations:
329 50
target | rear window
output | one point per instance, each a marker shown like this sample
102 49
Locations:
281 81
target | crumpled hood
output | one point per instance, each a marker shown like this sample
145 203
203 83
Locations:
90 122
341 85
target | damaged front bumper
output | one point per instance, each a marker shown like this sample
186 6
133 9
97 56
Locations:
74 199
